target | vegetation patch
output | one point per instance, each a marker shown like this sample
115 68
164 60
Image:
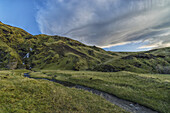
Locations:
146 89
24 95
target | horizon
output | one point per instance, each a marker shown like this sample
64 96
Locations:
137 26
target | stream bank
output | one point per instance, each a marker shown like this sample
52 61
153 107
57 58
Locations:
127 105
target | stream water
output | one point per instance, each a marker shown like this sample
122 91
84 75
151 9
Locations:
127 105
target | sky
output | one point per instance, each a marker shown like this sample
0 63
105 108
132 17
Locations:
115 25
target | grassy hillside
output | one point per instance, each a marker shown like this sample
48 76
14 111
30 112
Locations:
146 89
23 95
54 52
11 39
46 52
19 49
154 61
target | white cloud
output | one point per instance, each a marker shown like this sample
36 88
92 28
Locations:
108 22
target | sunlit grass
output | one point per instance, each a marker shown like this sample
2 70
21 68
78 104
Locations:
146 89
19 94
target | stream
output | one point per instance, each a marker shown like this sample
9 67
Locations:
126 105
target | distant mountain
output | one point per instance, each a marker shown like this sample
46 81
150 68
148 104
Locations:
19 49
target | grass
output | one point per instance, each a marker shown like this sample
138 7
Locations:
146 89
24 95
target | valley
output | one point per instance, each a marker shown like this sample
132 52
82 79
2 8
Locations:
141 78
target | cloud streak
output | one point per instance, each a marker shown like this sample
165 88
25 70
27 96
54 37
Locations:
108 22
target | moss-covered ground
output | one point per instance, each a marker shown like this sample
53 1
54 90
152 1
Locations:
19 94
146 89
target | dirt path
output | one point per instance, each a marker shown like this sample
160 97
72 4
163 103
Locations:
127 105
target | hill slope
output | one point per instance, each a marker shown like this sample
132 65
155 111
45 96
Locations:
19 49
11 40
154 61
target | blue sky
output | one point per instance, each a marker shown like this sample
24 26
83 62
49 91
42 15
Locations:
20 13
115 25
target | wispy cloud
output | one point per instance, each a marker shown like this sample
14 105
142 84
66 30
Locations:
108 22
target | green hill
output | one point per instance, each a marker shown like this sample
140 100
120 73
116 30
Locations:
19 49
54 52
11 40
154 61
